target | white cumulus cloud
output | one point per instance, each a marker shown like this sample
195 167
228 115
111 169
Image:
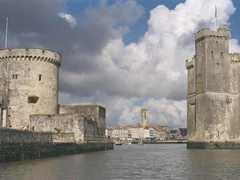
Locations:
68 18
151 72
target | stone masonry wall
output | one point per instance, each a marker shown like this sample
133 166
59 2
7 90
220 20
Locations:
84 129
9 136
54 123
191 98
59 123
95 112
21 145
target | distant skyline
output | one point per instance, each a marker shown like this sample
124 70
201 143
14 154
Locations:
122 54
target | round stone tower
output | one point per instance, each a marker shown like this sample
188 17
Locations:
29 85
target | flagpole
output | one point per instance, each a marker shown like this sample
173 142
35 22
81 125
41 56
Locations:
6 34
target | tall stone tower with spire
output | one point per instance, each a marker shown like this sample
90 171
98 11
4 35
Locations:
213 98
144 118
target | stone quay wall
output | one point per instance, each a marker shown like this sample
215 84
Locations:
21 145
13 136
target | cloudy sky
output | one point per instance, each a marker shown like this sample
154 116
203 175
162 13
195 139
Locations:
123 54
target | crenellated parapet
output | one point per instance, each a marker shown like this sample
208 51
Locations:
42 55
221 32
235 58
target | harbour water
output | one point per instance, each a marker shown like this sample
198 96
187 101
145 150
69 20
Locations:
130 162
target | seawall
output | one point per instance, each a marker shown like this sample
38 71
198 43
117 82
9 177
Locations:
21 145
213 145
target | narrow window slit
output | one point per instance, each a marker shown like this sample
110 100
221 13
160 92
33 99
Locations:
39 77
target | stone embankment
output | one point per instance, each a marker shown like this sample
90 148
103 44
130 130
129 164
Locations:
21 145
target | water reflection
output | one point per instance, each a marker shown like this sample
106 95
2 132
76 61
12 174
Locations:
214 164
146 162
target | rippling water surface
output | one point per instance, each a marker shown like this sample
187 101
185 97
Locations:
141 162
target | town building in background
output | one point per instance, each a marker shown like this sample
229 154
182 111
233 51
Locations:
145 132
153 134
119 134
178 134
144 118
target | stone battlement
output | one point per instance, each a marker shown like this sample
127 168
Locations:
43 55
206 32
